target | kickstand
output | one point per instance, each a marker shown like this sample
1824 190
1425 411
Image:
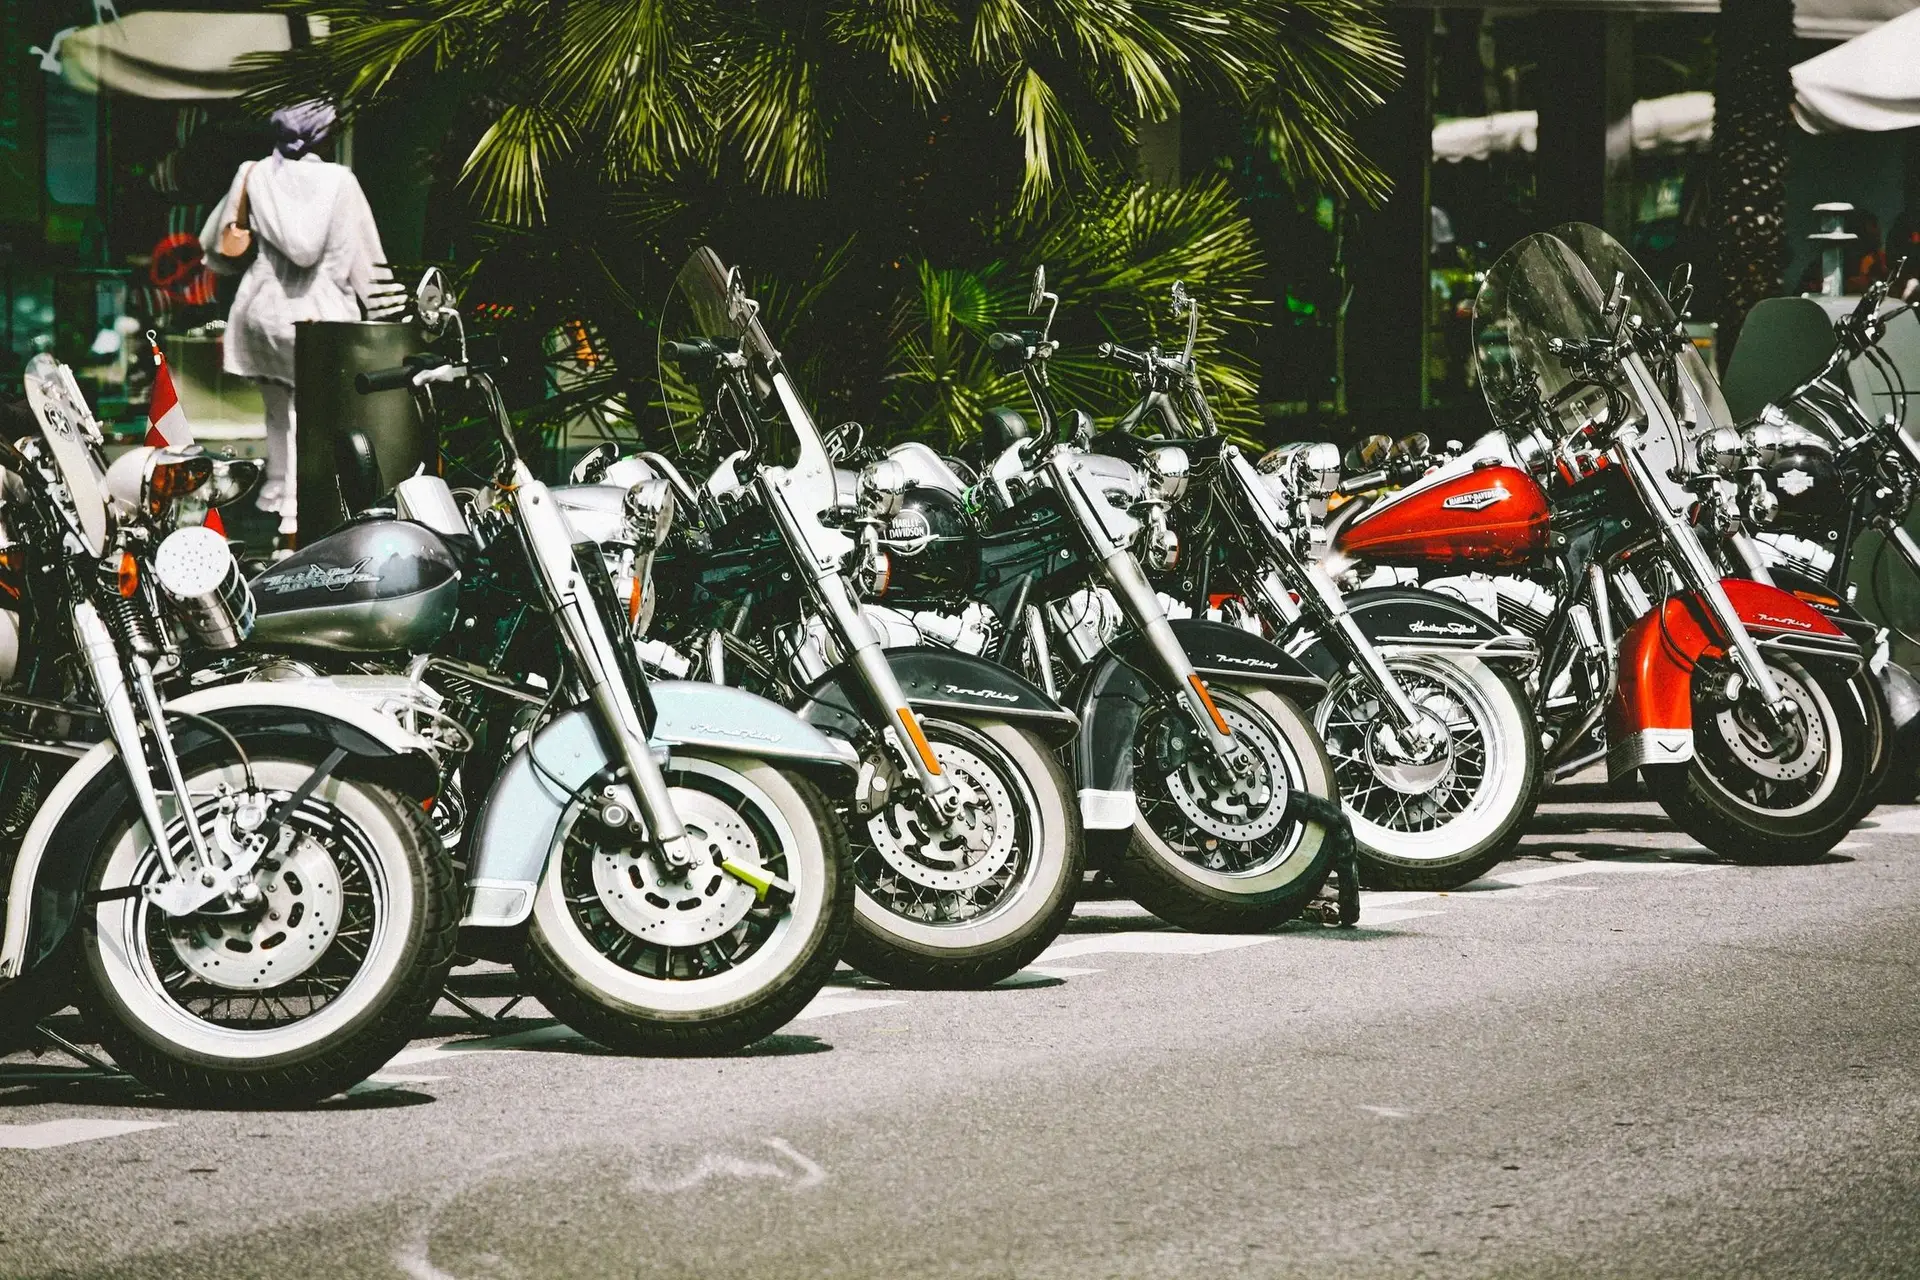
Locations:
480 1016
105 1069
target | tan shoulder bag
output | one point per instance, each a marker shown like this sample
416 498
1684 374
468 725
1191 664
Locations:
236 238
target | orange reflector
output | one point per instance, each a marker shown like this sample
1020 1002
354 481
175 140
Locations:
919 741
1206 700
128 576
13 570
633 603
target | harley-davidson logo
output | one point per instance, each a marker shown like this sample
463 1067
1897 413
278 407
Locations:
1794 483
1442 628
1478 500
312 577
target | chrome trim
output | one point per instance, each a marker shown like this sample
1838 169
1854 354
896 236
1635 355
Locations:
1649 746
1107 810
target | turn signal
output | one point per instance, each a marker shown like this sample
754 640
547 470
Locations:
127 577
176 478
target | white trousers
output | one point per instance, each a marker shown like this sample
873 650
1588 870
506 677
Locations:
283 466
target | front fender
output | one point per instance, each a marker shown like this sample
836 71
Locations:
941 682
1650 720
43 895
515 829
1115 694
1408 620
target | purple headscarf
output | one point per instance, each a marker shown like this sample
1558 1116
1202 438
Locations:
303 127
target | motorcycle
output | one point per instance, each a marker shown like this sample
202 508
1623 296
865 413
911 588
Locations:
967 849
1431 732
1202 785
237 884
656 858
1810 475
1577 522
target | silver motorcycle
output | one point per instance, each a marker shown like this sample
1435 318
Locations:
237 884
656 857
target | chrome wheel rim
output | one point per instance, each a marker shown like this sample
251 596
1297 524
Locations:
1232 838
1428 813
1738 762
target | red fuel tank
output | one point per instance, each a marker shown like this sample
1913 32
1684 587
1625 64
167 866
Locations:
1489 517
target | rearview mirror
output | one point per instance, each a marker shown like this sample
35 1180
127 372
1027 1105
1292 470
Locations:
1038 294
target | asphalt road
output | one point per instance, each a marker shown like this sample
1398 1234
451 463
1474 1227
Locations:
1613 1057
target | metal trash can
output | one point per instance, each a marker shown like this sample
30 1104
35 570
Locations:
327 355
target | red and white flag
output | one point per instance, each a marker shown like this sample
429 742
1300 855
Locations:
167 421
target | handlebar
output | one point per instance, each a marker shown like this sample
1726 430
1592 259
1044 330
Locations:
689 352
419 370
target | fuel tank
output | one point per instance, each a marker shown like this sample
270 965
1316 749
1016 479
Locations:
378 586
1482 516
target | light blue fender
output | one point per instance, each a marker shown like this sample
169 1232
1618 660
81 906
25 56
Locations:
517 826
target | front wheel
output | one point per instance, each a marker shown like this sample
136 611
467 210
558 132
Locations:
1438 819
1218 852
303 991
1757 796
967 902
678 963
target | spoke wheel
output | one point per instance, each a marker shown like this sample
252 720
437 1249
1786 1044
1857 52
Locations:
1439 822
299 994
1217 851
651 961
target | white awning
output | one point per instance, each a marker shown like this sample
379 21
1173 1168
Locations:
1677 121
1812 19
171 55
1870 83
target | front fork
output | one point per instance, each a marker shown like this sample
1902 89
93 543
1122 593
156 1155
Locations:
551 541
1704 575
865 655
1286 572
1143 609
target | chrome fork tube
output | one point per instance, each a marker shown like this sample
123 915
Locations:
1318 592
169 760
1142 607
551 543
102 657
1697 566
865 655
1041 649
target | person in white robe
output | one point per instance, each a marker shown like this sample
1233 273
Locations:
316 256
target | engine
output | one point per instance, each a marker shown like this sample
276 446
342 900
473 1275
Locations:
1525 606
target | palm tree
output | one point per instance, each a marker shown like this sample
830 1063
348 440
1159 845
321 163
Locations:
841 144
1752 120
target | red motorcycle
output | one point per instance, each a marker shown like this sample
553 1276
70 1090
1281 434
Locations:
1579 523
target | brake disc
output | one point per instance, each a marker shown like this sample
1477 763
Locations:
1748 741
681 909
1233 806
276 940
967 852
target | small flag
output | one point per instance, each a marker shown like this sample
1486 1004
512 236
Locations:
167 421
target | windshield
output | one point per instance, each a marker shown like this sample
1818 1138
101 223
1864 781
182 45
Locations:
66 425
710 302
1689 382
1538 291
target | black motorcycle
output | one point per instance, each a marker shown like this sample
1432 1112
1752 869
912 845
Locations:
967 847
1202 784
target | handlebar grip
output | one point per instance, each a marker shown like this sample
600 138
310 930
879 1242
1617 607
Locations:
1009 350
397 378
688 352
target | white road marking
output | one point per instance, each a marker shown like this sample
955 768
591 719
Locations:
1154 943
1057 971
795 1169
63 1133
1370 916
1390 1113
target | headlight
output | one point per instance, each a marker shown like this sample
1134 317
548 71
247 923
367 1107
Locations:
649 513
1721 450
1167 466
882 484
